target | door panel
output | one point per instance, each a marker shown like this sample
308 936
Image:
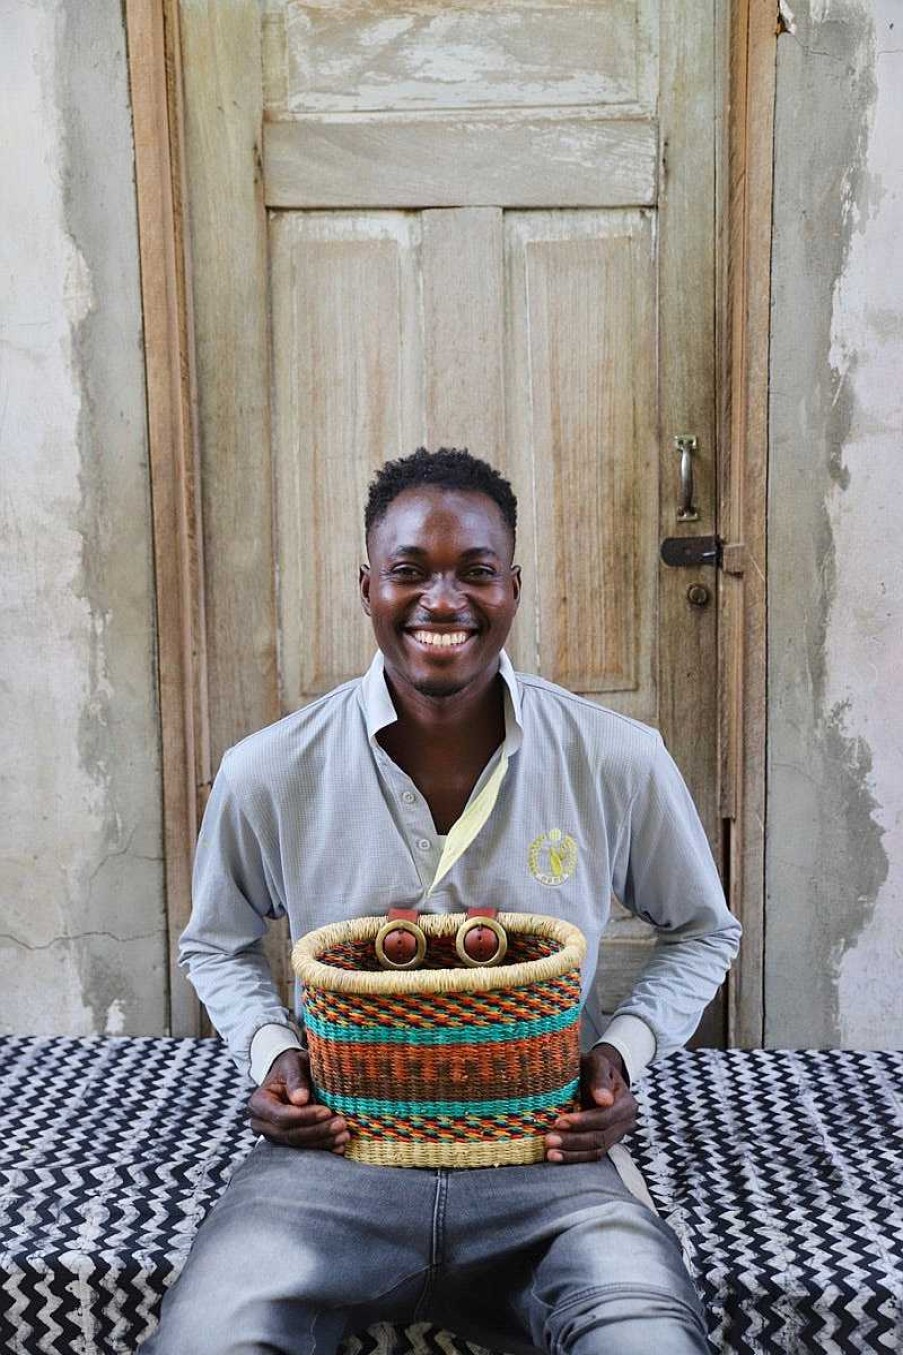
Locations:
581 393
463 323
377 56
347 371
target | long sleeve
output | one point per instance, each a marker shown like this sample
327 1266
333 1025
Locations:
233 895
664 873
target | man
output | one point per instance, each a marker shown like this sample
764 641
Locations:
342 810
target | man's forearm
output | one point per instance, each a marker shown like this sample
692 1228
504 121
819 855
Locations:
237 990
677 985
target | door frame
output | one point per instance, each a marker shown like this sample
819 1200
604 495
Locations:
745 73
154 64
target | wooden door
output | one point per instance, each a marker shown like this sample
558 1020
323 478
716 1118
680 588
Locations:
484 223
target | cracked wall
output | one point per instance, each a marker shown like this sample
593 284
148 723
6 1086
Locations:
834 846
82 936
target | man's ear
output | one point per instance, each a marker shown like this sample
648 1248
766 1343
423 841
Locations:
516 583
363 579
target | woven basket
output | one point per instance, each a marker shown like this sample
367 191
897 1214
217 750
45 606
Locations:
444 1066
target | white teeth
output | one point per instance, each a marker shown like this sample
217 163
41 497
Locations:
429 637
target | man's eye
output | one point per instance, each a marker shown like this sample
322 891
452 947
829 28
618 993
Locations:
405 572
481 572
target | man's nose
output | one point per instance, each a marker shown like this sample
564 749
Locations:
443 594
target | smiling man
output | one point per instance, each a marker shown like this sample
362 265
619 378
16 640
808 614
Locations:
367 799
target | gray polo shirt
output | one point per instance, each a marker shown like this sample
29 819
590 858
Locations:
310 818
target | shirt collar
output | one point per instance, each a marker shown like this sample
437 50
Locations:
379 710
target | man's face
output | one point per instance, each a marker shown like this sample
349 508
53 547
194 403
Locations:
440 589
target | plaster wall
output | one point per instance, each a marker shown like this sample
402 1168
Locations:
834 847
81 881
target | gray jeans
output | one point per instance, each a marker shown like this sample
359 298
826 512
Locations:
305 1247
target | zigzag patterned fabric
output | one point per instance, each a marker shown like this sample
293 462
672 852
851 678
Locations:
782 1174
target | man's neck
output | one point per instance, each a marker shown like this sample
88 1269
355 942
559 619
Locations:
447 717
463 725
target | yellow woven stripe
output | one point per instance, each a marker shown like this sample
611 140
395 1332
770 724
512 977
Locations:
512 1152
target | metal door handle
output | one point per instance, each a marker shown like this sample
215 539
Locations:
685 445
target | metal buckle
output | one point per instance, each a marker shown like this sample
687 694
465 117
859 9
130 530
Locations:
469 925
400 924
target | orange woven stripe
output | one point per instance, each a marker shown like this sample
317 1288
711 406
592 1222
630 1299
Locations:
472 1010
446 1072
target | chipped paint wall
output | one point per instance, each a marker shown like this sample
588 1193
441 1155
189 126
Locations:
834 911
81 883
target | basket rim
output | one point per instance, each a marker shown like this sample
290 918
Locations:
386 982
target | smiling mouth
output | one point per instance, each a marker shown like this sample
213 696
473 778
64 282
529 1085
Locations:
441 641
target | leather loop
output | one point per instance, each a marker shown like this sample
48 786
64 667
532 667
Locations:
400 941
480 939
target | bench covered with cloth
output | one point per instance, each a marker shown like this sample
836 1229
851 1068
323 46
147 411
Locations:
781 1173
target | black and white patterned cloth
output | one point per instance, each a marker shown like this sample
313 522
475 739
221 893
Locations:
782 1174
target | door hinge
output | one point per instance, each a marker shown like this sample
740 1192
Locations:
681 552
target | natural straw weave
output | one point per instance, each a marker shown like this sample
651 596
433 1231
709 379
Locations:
444 1066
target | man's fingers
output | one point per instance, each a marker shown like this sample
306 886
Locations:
565 1159
586 1135
297 1083
283 1112
569 1144
602 1080
603 1119
329 1136
267 1104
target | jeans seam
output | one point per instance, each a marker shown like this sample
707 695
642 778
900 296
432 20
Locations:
437 1238
384 1293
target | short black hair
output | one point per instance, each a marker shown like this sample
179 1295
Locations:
447 468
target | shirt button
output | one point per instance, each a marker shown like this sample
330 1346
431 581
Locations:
423 843
408 796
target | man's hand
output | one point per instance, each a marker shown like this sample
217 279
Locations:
609 1111
283 1110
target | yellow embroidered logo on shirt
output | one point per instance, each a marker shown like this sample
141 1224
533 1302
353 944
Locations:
552 857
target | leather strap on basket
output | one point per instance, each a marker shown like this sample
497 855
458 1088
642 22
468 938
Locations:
481 939
401 941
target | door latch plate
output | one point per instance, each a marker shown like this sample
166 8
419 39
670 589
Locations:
689 551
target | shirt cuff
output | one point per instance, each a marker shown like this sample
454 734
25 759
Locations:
268 1043
634 1041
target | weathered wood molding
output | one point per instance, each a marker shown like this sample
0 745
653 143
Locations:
226 225
575 160
745 277
156 112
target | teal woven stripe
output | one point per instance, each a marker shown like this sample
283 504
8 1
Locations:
410 1110
494 1034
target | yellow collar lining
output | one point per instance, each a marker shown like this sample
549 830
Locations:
464 830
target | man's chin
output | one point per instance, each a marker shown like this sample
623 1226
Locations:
438 687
